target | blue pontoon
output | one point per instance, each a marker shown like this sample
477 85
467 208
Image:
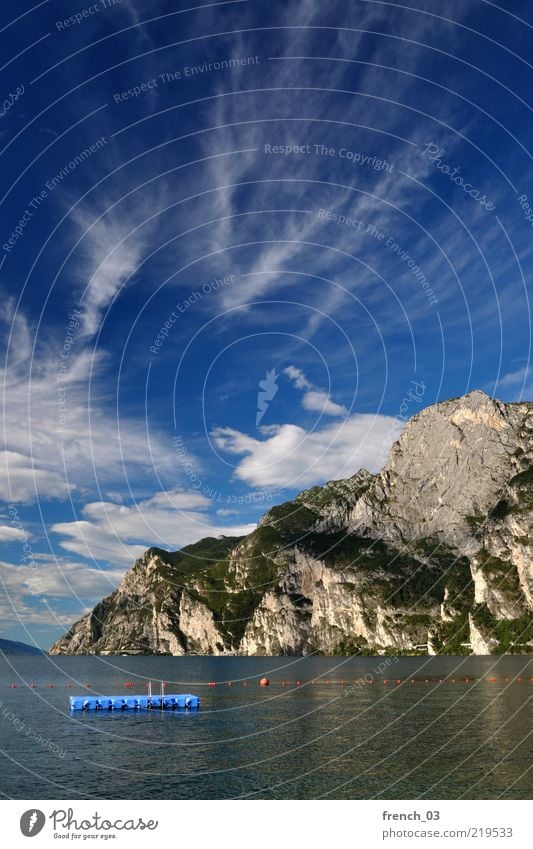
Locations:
183 701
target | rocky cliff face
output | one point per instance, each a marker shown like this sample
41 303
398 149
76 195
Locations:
434 554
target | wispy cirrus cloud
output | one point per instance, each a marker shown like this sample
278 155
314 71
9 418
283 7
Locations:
57 437
114 236
515 385
516 378
293 75
54 578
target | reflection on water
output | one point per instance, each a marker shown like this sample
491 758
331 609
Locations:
446 730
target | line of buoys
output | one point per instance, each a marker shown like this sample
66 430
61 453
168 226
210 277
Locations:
283 682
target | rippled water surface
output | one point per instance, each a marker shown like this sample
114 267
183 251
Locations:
433 735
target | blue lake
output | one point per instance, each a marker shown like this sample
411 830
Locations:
434 735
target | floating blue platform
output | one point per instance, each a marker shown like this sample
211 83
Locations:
122 703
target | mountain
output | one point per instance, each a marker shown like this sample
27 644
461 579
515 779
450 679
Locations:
433 554
12 647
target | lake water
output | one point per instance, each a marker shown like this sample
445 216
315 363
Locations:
414 739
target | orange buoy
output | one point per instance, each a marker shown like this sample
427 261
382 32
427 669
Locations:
229 683
264 682
211 684
33 686
298 683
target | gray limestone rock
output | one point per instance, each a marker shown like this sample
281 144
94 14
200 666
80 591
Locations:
434 554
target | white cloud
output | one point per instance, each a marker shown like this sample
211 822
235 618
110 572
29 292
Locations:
314 399
9 533
59 437
297 377
113 239
15 610
514 385
298 181
57 578
319 401
117 533
21 478
293 457
515 378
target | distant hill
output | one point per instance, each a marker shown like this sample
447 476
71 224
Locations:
12 647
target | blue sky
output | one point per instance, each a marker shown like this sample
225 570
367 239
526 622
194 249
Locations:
320 209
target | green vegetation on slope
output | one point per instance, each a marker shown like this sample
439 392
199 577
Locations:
513 636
